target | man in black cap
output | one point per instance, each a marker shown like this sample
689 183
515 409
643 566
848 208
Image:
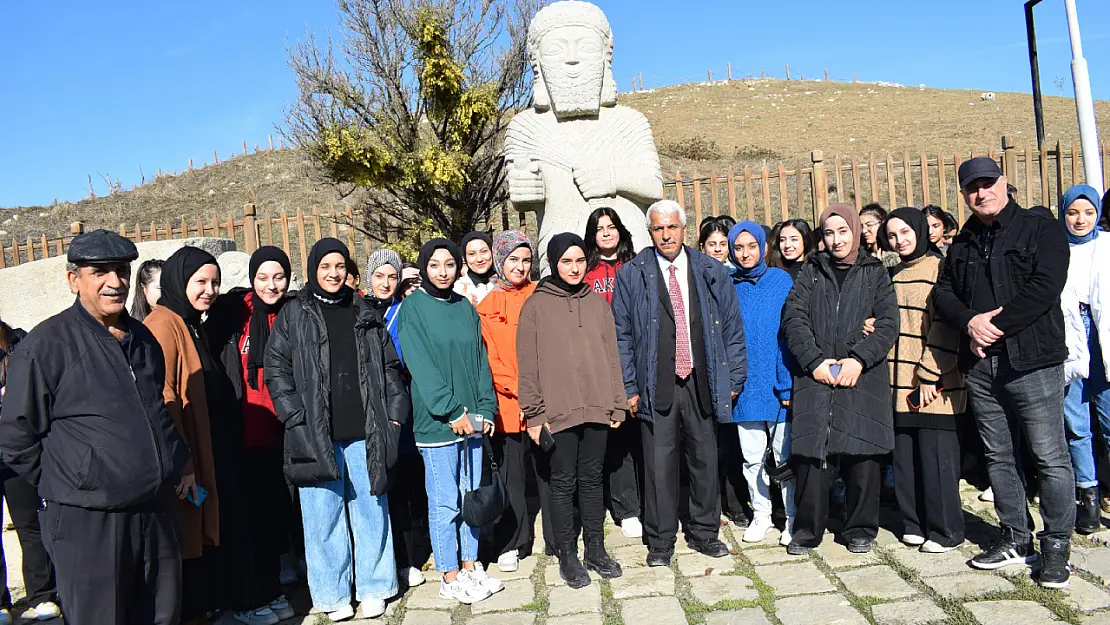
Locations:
84 421
1001 286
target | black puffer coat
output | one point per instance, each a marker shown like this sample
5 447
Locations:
297 374
823 320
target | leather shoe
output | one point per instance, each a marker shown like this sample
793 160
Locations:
713 548
659 557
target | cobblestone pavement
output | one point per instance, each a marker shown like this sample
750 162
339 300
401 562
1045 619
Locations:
761 585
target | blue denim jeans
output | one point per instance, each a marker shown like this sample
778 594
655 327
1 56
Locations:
326 508
1078 397
449 472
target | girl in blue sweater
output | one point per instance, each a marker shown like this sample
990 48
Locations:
762 409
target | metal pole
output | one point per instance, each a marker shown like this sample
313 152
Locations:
1034 66
1084 105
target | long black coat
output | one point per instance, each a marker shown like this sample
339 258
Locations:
297 372
822 320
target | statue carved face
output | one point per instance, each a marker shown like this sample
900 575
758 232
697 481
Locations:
572 61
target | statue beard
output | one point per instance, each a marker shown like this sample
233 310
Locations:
574 97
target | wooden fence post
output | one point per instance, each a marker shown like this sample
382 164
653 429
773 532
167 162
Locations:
820 184
250 230
1059 171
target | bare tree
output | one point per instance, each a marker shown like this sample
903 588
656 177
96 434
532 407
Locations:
412 105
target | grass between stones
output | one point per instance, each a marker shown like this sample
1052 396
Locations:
861 604
766 599
610 607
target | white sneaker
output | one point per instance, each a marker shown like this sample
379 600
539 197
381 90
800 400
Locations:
412 575
508 561
913 540
480 577
5 617
631 528
757 529
372 608
787 533
934 547
43 612
261 616
341 614
987 495
462 590
281 607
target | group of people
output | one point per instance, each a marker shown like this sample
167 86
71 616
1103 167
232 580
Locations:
186 455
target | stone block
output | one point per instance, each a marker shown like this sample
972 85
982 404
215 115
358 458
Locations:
876 581
831 609
747 616
426 617
517 594
1095 561
797 578
426 597
1010 612
697 564
969 584
1085 595
771 555
838 557
503 618
643 582
552 578
714 589
653 611
576 619
565 600
931 564
769 540
919 612
524 571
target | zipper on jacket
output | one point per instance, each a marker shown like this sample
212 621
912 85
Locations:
828 427
146 413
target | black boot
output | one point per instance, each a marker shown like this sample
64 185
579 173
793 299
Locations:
1055 572
570 567
597 559
1088 517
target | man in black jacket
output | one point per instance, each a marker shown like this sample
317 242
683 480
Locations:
1001 285
84 422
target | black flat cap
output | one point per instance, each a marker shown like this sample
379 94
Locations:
101 246
976 168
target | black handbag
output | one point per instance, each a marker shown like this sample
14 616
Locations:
777 472
483 505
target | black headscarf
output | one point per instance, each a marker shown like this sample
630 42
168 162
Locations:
556 247
426 252
176 273
474 276
260 310
920 225
322 248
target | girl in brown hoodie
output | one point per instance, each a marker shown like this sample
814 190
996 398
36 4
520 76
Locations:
570 384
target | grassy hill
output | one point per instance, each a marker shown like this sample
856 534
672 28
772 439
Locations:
707 126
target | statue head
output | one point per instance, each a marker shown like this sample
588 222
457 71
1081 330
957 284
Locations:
571 48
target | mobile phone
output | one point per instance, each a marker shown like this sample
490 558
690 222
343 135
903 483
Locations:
834 369
914 399
202 492
547 441
477 421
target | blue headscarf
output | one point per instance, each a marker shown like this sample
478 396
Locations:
760 236
1071 195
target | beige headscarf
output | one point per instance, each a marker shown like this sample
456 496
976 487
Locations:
848 213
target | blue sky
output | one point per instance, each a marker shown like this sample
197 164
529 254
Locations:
107 88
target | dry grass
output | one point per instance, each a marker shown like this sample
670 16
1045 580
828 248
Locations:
742 122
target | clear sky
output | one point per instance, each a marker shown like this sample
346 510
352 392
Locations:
109 87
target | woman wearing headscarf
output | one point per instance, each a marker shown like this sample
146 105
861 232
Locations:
928 391
336 385
207 415
571 386
238 328
841 398
480 277
453 405
499 314
1087 329
762 409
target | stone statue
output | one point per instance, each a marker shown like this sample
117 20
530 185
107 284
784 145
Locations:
576 150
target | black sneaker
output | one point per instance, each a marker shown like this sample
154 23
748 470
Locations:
1005 553
1055 571
795 549
859 545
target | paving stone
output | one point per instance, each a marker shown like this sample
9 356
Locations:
517 594
838 556
426 597
504 618
876 581
616 539
653 611
747 616
524 571
771 538
681 548
697 564
643 582
566 600
771 555
631 556
1085 595
716 588
968 584
832 609
886 538
426 617
1010 612
577 619
552 578
931 564
798 578
917 612
1095 561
